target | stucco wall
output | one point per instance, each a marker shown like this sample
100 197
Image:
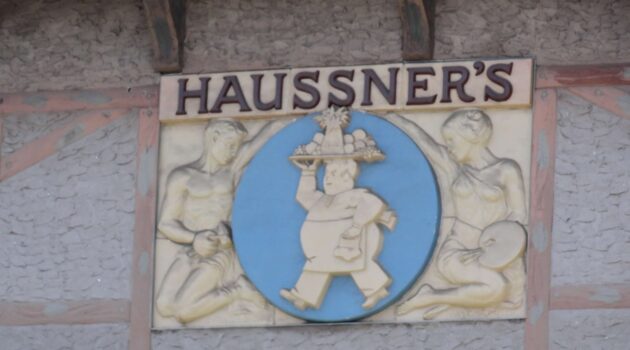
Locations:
66 223
106 43
62 337
591 230
554 31
447 335
57 45
591 235
589 329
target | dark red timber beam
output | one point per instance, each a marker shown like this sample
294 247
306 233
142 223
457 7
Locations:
540 219
582 75
144 230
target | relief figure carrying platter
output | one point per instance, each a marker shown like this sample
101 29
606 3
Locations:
205 275
487 239
341 233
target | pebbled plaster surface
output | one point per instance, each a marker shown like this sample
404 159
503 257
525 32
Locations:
65 337
234 35
583 31
66 224
19 130
554 31
444 335
589 329
591 233
56 45
107 44
465 29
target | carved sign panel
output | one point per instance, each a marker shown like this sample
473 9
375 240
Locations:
386 193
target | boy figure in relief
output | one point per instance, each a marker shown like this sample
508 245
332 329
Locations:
205 275
340 235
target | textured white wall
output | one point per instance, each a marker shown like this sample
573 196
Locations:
589 329
554 31
106 43
66 224
57 45
591 231
445 335
62 337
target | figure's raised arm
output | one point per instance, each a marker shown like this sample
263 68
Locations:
437 153
172 206
307 193
250 148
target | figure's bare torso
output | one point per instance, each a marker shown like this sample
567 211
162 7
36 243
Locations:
479 196
208 199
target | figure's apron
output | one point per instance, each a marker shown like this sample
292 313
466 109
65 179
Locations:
320 238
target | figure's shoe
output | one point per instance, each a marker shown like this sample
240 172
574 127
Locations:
244 290
292 296
347 254
374 298
414 302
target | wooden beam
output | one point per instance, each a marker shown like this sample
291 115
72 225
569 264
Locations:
540 220
58 101
1 140
50 143
417 19
613 100
589 296
582 75
144 231
167 28
64 312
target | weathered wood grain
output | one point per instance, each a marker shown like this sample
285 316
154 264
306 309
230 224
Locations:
590 296
57 101
64 312
540 222
614 100
582 75
50 143
142 257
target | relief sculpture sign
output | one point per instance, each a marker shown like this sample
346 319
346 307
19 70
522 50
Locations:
385 193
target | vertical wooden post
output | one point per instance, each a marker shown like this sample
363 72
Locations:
541 218
417 17
146 194
1 139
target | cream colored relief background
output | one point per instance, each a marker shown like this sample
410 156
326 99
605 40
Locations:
182 143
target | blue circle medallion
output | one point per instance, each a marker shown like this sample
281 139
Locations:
267 218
